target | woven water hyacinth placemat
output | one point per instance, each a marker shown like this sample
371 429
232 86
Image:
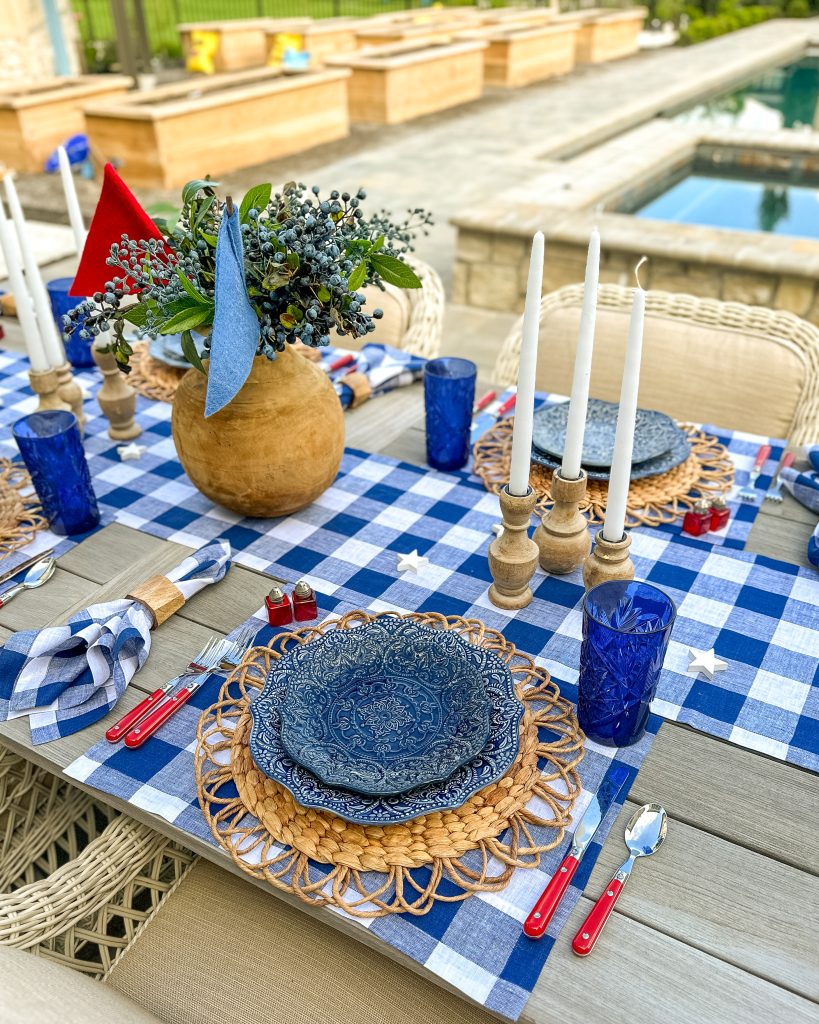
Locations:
708 471
20 515
372 871
150 377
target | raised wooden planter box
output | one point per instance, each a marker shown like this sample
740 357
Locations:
607 35
521 55
178 132
399 83
322 38
424 34
36 117
242 41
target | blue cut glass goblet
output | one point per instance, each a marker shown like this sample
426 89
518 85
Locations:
626 628
449 396
52 450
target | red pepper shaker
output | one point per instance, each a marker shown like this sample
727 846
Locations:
304 602
720 513
698 520
279 609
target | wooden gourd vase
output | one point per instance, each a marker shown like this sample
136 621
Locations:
272 450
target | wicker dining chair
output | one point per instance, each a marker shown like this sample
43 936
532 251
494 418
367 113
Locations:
741 367
77 879
413 317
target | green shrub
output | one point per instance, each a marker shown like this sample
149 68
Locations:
797 9
729 17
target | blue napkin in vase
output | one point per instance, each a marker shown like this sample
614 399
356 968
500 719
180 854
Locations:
235 335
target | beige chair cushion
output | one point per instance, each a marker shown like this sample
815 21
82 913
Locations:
392 327
34 990
227 951
732 378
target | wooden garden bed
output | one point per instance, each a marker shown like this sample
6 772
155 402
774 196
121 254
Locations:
398 83
425 33
520 55
242 41
322 37
606 35
36 117
177 132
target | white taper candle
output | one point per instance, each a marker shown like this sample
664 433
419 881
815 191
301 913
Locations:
52 339
71 201
525 404
576 425
25 311
615 522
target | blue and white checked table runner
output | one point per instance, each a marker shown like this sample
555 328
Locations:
476 945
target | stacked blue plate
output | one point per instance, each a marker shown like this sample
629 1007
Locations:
659 444
387 721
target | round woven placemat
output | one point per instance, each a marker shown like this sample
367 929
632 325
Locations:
151 378
369 870
20 515
654 500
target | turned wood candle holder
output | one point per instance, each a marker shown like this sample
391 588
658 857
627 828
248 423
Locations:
116 399
563 537
608 560
513 555
44 384
70 392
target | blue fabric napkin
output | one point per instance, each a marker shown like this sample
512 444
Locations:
813 456
384 367
66 677
235 335
805 488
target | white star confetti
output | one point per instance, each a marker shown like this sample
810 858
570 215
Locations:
413 561
128 452
497 529
706 662
84 389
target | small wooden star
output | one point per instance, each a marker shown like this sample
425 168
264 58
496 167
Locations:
412 561
706 662
128 452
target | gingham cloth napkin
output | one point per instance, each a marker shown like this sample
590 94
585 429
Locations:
66 677
385 368
805 488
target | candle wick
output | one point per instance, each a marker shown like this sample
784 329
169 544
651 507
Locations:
643 260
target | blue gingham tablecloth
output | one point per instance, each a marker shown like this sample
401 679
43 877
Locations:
476 945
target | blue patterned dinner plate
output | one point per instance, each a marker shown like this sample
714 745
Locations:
679 451
486 767
654 433
386 707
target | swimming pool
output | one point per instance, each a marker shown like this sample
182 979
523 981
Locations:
779 208
785 97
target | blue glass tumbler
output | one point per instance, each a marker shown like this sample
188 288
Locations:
52 450
626 628
449 396
77 349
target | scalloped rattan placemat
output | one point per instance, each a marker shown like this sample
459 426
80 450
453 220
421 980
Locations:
373 869
654 500
151 378
20 515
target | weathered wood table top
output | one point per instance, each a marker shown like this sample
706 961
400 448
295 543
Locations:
720 926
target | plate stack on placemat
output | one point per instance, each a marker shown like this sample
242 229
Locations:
672 466
344 757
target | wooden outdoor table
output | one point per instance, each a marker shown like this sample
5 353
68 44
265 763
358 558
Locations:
720 926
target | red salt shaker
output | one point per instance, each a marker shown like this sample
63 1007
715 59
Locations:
719 513
304 602
279 609
698 520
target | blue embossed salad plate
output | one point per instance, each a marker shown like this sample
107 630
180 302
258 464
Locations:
480 771
385 707
654 433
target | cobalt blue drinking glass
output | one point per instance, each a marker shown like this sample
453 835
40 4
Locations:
626 627
77 349
449 395
52 450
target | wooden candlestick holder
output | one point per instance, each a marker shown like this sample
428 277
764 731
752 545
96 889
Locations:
44 384
609 560
563 537
116 399
70 392
513 555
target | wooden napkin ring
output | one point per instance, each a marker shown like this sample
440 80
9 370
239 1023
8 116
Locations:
360 387
161 597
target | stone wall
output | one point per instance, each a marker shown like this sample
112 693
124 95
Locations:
26 52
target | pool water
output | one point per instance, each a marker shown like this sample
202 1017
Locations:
785 97
781 209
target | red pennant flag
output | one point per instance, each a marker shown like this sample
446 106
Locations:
118 213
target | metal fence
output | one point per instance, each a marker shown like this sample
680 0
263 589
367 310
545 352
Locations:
151 24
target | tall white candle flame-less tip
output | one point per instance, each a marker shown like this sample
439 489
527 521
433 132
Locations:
72 203
527 369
